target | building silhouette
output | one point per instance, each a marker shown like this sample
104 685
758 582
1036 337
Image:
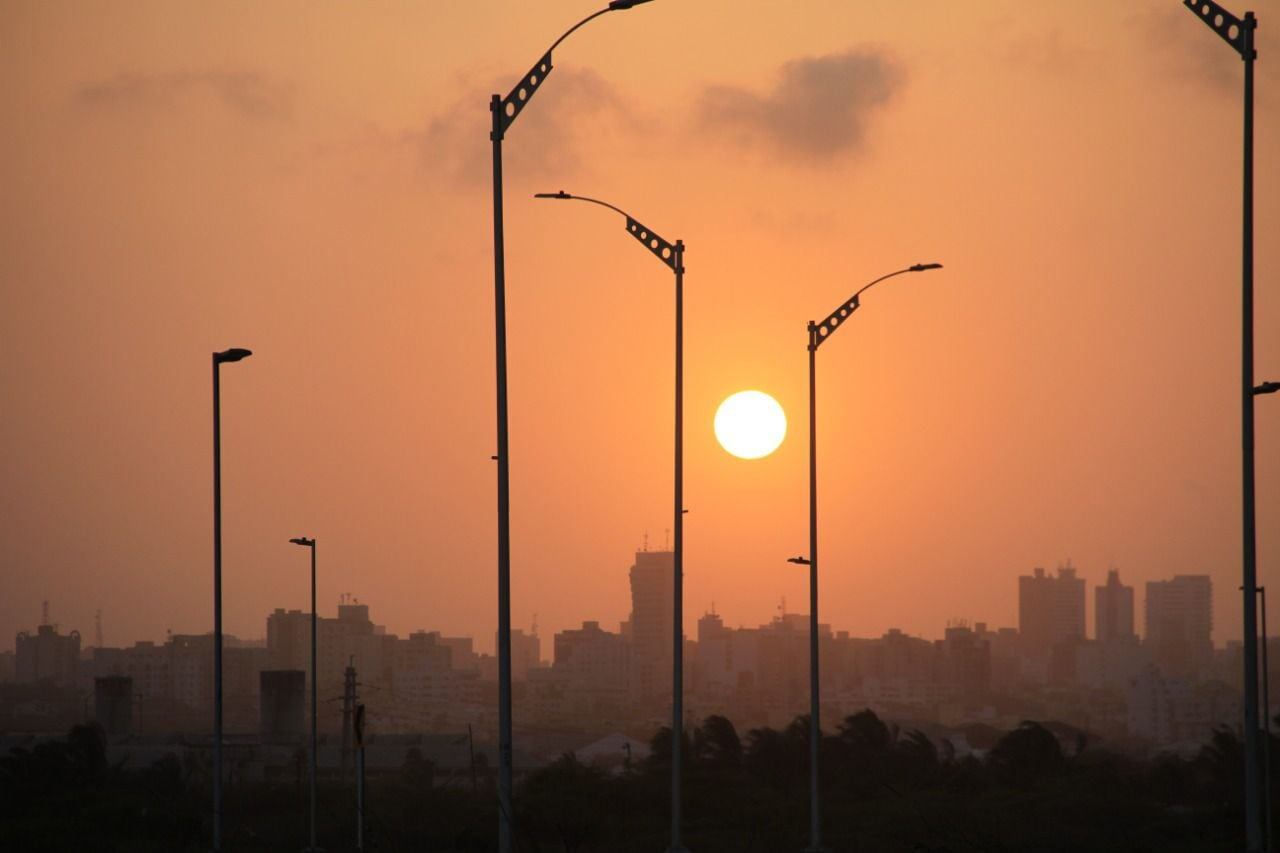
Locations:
113 704
650 627
1113 611
1180 623
1050 610
47 656
526 653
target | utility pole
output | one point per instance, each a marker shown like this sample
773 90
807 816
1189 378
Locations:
348 708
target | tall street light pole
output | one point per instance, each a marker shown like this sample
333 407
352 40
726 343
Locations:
1240 35
819 332
311 543
219 358
671 254
1268 834
504 111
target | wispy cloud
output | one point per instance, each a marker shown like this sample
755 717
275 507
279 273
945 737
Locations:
1189 52
1050 52
576 110
247 93
820 108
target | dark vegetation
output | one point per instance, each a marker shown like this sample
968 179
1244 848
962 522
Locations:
885 790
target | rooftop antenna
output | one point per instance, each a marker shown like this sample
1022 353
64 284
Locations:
645 546
533 630
44 612
97 628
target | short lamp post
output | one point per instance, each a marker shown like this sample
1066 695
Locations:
219 359
311 543
671 254
818 333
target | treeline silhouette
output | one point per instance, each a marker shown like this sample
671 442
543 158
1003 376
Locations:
884 790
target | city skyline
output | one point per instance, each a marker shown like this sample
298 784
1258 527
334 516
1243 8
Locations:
657 598
1066 389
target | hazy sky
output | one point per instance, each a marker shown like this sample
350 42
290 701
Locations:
311 181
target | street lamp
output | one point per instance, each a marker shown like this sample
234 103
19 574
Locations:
219 358
504 112
819 332
1239 34
311 543
671 254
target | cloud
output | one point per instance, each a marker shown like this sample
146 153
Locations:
1189 52
247 93
1050 52
819 109
575 110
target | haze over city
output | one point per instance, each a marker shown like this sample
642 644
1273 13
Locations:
305 181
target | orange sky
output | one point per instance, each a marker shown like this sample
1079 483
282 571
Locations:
310 181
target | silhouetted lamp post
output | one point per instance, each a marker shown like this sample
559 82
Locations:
1266 722
311 543
219 359
671 254
1266 388
819 332
1239 34
504 112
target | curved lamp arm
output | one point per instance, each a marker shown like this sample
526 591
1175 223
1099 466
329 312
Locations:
667 252
522 93
819 332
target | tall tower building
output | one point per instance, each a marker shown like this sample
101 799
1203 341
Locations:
1180 622
652 580
1050 609
1113 611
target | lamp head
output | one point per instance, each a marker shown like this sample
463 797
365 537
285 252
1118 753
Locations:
233 354
620 5
304 541
799 561
1267 388
923 267
561 194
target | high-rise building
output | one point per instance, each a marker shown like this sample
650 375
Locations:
590 658
47 656
526 653
1180 622
1050 610
964 661
1113 611
652 578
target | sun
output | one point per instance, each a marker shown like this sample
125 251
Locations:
750 424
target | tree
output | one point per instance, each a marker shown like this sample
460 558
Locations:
716 745
1027 754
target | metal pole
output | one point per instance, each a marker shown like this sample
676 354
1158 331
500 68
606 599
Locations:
360 798
217 612
348 708
677 593
1253 816
313 695
815 729
1266 722
505 815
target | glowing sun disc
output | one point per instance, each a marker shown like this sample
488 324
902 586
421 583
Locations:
750 424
